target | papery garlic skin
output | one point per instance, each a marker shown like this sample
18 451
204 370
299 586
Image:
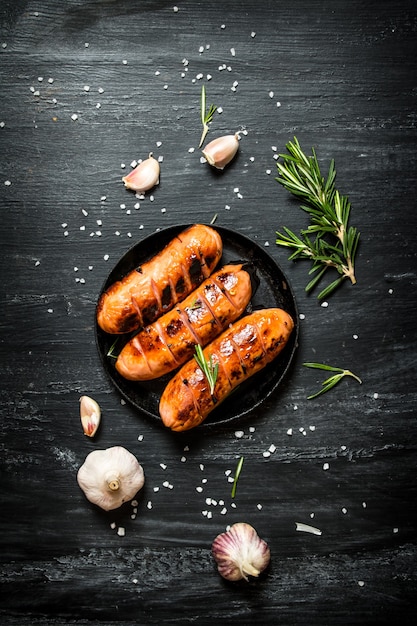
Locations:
110 477
90 414
144 176
240 552
222 150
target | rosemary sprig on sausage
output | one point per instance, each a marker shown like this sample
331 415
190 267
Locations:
209 369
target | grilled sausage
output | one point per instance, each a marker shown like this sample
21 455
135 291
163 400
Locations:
170 341
241 351
153 288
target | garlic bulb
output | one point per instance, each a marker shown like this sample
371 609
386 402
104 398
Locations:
144 176
221 151
110 477
240 552
90 414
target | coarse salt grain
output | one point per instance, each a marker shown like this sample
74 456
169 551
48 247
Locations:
324 305
361 583
259 507
199 489
326 466
344 511
74 117
239 434
289 431
121 531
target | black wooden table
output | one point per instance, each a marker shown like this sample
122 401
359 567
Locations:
88 88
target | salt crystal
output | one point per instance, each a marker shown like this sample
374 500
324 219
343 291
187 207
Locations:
233 52
326 466
344 511
140 437
199 489
239 434
74 117
324 305
259 507
361 583
253 34
266 454
113 525
289 431
272 448
121 531
86 87
163 466
395 530
106 257
355 336
271 94
183 459
149 504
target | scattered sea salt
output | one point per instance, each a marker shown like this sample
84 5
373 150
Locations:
121 531
326 466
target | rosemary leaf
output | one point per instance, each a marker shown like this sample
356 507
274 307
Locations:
330 382
209 369
335 243
237 474
206 116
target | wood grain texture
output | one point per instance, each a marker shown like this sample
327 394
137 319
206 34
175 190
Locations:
341 77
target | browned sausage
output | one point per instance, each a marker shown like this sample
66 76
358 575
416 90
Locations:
245 348
170 341
150 290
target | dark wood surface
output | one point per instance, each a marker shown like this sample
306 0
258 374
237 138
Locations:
341 76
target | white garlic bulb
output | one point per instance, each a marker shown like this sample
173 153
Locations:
240 552
110 477
144 176
221 151
90 414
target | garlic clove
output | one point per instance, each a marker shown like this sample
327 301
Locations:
90 414
221 151
110 477
240 552
144 176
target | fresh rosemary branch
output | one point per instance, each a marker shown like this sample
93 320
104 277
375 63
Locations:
332 380
329 241
237 474
206 116
209 369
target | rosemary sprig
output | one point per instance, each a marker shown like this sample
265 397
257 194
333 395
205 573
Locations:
209 369
237 474
329 241
332 380
110 352
206 116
